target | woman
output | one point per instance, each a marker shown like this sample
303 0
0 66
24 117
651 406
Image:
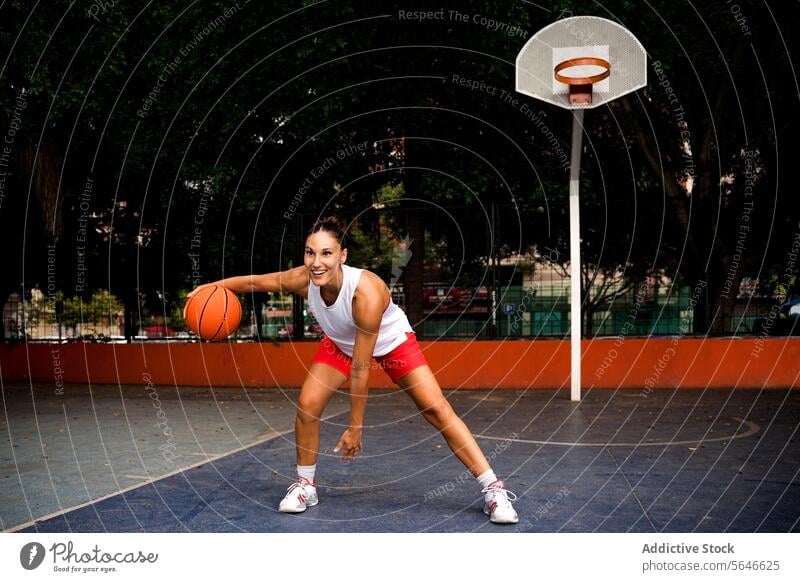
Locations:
355 310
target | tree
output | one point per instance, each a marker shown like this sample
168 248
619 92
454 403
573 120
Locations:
201 129
714 116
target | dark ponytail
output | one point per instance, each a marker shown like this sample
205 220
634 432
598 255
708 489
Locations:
333 225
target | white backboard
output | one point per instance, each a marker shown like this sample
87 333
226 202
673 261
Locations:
575 37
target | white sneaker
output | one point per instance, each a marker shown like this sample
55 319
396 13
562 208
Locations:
300 495
497 503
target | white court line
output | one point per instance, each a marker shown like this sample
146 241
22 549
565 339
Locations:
753 428
211 458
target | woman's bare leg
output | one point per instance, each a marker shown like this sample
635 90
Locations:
426 393
320 384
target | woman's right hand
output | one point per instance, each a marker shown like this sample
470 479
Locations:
196 289
192 293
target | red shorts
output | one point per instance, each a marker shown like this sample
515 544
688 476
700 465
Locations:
400 361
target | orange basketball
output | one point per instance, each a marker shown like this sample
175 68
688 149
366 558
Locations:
213 313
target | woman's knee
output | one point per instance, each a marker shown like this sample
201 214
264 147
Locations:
440 414
308 410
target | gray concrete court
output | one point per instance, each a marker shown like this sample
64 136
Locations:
669 460
59 451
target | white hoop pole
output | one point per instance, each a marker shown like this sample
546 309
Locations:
575 254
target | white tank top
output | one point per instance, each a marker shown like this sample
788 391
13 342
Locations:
337 322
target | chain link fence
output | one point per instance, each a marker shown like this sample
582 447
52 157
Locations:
538 308
483 276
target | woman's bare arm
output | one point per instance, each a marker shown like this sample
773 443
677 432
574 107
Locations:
291 281
369 303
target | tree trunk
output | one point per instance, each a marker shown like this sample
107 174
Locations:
131 303
298 319
699 311
256 300
723 292
414 274
726 305
5 292
588 317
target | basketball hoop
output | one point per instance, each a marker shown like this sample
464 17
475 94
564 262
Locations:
580 88
587 45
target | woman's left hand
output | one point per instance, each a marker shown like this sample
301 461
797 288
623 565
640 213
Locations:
349 444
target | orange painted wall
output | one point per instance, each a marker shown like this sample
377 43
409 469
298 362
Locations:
607 363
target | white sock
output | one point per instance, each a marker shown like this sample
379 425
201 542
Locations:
307 472
486 479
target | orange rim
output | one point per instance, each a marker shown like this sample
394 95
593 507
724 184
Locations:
582 80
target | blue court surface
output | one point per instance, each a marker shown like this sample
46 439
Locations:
618 461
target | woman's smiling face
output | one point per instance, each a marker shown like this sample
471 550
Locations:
323 255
